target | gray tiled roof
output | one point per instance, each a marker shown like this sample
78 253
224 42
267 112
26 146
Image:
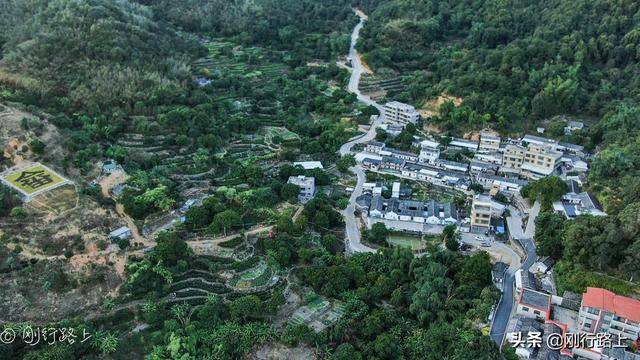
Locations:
535 299
413 208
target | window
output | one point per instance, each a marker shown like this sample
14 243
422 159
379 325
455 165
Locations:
524 308
593 311
536 312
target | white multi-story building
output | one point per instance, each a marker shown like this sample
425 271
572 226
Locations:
429 151
512 159
489 142
307 185
540 161
602 311
483 208
396 111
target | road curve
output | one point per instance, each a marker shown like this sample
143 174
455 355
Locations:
352 230
354 81
525 238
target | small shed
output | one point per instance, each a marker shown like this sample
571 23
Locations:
122 233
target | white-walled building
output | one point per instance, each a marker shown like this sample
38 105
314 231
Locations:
374 147
412 211
464 144
602 311
533 304
429 151
540 161
309 165
307 185
490 181
396 111
489 142
483 208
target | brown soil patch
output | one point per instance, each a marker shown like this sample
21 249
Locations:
361 14
365 67
431 107
13 137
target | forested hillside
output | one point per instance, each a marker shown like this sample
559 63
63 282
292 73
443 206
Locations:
516 60
516 63
285 24
97 56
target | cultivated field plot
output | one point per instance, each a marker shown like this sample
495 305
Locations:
381 86
318 313
285 134
56 201
255 277
33 180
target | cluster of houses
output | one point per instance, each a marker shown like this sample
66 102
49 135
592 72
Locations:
400 212
498 165
577 202
425 166
595 314
506 164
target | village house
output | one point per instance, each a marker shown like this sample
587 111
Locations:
489 142
451 165
374 147
423 212
477 166
429 151
604 311
372 164
122 233
307 185
505 184
398 154
309 165
573 126
573 204
391 163
483 209
396 111
464 144
533 304
540 161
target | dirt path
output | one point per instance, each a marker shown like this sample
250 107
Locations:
361 14
106 184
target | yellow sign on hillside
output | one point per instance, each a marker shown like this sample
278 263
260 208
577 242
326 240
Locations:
33 179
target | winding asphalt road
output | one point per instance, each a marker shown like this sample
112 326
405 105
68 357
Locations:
353 235
525 238
514 221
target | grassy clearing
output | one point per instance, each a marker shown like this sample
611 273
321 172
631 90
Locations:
55 201
406 241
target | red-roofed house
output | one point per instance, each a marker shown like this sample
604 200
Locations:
603 311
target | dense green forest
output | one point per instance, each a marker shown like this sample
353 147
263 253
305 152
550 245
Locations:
517 61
